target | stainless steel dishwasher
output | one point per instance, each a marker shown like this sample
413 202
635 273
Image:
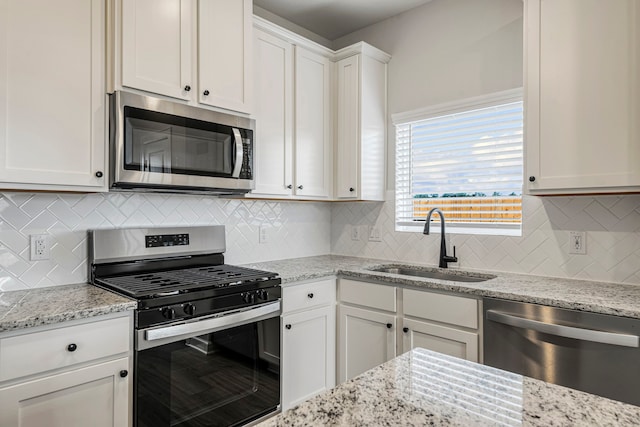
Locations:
591 352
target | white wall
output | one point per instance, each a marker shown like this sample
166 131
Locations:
446 50
453 49
294 229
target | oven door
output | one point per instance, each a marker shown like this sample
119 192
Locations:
220 371
160 144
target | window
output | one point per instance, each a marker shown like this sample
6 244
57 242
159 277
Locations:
464 158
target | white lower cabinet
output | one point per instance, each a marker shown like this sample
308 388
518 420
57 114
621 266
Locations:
376 322
367 339
96 395
442 339
308 340
72 375
367 325
440 322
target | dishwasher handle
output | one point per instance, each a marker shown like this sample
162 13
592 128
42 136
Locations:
581 334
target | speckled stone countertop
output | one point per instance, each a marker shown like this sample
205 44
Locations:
425 388
43 306
597 297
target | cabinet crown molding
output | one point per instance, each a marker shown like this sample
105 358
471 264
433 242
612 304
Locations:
298 40
362 48
291 37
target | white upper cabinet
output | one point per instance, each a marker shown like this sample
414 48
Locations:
224 52
313 149
293 151
273 111
157 46
361 123
180 48
582 95
52 95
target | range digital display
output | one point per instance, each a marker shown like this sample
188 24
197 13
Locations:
159 240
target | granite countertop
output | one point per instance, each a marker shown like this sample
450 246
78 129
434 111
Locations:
597 297
43 306
422 387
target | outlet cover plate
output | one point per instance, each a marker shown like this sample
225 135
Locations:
39 247
577 242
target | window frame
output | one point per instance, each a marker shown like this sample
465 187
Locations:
445 109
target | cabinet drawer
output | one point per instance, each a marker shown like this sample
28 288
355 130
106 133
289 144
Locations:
449 309
36 352
308 295
369 295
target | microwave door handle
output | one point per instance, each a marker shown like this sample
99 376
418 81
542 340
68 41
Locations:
239 154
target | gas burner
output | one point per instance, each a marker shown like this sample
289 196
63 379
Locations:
185 278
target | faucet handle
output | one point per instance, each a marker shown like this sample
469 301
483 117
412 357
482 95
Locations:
449 258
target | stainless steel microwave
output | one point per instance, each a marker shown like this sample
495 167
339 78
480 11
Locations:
159 145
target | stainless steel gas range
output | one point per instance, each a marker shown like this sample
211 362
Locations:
207 334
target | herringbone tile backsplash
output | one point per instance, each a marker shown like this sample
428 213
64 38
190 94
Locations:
611 223
294 229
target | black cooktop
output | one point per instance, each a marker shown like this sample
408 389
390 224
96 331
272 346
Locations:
171 282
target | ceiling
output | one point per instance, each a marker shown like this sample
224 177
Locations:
333 19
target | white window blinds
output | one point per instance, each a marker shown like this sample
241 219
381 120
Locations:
467 163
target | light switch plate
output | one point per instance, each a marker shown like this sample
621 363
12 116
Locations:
374 234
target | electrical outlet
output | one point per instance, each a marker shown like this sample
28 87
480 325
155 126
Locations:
39 247
355 232
263 234
577 242
374 234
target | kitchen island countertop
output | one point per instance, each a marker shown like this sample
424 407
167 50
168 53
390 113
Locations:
422 387
583 295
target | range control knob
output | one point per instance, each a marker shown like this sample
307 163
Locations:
248 297
189 309
263 294
169 313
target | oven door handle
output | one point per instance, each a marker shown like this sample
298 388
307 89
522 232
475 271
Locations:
213 324
237 167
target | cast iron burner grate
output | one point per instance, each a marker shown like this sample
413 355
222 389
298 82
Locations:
183 280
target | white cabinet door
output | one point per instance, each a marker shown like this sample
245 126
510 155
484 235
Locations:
367 339
96 396
224 53
157 46
582 83
308 354
442 339
348 128
361 127
52 94
313 151
273 109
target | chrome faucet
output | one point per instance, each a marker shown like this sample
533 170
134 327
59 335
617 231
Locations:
444 258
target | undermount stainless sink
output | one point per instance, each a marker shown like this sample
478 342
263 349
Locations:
434 274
